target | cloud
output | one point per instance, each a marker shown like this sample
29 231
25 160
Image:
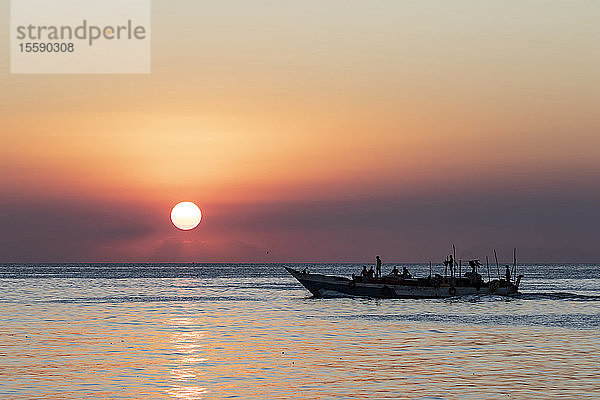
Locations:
69 229
546 224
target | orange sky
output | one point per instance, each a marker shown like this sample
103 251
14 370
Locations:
250 109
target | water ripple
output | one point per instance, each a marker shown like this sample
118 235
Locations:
217 331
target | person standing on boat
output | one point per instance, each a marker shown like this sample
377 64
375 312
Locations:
378 269
507 275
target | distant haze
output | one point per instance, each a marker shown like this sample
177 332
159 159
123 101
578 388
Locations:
316 131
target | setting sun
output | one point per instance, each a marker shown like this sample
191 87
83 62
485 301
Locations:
186 215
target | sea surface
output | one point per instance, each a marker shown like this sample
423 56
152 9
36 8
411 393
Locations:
250 331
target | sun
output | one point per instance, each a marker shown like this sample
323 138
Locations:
186 215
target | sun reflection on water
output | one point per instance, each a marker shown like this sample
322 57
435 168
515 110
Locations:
189 346
280 344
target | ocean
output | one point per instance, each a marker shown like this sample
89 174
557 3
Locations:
250 331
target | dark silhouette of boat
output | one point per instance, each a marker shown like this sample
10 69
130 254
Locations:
396 286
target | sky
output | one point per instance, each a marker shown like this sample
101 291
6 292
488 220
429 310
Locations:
315 131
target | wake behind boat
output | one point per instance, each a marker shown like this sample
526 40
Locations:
398 286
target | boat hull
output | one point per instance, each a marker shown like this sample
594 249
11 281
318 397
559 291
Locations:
332 286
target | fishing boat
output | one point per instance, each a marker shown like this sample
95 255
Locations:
397 286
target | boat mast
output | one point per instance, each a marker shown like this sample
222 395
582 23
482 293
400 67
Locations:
454 260
497 266
446 268
514 264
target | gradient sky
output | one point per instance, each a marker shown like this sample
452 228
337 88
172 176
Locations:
316 131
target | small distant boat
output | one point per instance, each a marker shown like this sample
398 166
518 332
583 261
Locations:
395 286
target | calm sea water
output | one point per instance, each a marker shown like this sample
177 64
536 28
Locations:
196 331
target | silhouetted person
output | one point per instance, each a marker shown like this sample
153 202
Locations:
395 271
378 271
405 273
473 264
371 273
451 263
507 274
364 272
473 276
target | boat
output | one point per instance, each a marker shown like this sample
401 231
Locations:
398 286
